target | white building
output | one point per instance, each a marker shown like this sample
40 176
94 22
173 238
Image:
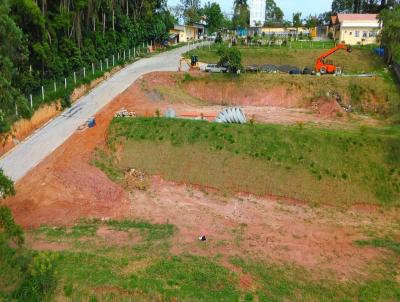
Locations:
257 12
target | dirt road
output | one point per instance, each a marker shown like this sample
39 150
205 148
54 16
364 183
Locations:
43 142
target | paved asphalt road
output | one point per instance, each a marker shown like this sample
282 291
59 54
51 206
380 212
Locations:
43 142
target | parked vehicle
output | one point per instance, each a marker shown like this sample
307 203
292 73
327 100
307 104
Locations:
214 68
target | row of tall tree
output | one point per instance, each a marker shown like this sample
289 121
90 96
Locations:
42 39
361 6
191 11
241 16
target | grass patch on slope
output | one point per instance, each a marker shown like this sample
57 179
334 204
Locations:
292 283
386 242
96 270
306 163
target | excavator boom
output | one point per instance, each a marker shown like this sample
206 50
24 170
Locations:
322 67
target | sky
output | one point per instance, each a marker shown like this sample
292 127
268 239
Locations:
307 7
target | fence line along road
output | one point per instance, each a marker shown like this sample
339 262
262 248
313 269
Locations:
29 153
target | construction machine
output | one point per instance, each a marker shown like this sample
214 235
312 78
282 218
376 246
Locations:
193 63
324 66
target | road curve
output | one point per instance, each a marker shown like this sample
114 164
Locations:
29 153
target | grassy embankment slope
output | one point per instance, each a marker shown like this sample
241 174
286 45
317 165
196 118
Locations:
322 166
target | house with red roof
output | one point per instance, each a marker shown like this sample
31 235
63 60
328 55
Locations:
356 29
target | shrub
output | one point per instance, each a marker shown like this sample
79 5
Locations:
6 186
40 280
66 101
230 58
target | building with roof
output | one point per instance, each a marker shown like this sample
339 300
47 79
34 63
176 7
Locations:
257 12
186 33
356 29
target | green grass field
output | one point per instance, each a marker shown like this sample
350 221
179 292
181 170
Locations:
361 60
95 269
317 165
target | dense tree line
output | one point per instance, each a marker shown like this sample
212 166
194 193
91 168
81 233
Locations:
361 6
41 40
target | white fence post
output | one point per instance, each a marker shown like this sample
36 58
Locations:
134 52
74 77
16 109
124 56
117 56
31 99
92 68
101 66
129 54
65 83
42 93
107 63
113 60
84 72
55 86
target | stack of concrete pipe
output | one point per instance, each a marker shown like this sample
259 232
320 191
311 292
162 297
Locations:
233 115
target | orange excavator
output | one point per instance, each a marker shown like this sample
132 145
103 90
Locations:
324 66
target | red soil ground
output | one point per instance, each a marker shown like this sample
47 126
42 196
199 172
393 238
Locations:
66 187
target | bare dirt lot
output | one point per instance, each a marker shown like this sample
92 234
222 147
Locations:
66 187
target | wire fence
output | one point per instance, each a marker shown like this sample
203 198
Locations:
54 89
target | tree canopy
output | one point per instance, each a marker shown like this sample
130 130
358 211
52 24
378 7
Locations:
391 31
214 16
273 14
41 40
361 6
241 14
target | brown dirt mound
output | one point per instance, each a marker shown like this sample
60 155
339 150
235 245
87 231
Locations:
231 94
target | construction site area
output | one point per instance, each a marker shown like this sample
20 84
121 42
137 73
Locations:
268 185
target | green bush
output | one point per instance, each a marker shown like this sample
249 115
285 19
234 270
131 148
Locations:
9 230
230 58
40 280
6 186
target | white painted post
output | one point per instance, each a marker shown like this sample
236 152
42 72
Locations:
74 77
30 68
107 63
124 55
129 54
134 52
31 99
65 83
92 68
16 109
42 93
101 66
118 56
55 86
84 72
113 60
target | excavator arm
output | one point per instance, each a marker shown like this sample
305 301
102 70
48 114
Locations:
320 65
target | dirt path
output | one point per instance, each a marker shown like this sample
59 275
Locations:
66 187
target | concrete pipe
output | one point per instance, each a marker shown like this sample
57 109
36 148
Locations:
233 115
